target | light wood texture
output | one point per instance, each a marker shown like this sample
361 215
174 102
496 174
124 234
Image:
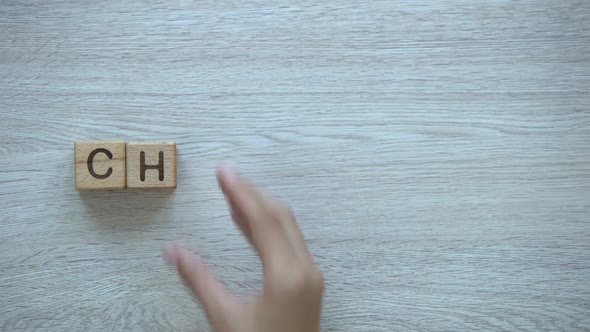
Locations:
99 165
151 165
436 154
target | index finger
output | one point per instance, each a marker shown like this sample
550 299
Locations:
249 204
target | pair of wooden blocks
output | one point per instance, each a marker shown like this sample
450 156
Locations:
116 165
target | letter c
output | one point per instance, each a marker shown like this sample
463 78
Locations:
91 159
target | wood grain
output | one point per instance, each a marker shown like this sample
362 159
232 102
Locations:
436 154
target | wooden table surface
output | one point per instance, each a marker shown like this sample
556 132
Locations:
437 155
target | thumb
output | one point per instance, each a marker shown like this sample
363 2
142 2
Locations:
214 298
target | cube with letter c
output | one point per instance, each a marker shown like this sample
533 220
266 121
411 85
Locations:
100 165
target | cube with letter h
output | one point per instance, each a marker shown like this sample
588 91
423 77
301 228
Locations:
115 165
151 165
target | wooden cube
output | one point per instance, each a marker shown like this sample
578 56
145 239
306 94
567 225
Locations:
100 165
151 165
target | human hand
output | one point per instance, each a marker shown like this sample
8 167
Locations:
290 300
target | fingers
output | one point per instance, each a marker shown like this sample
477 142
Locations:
284 214
214 298
268 223
253 215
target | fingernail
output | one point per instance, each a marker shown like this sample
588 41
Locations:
228 173
170 253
